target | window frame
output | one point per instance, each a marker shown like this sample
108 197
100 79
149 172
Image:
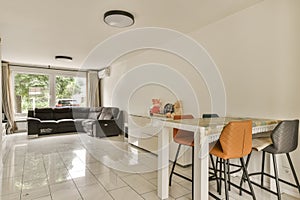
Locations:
52 73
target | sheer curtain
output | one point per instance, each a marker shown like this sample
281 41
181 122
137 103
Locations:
93 89
7 105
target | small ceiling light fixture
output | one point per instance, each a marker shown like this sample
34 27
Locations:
64 58
118 18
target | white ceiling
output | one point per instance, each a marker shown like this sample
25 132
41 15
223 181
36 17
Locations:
34 31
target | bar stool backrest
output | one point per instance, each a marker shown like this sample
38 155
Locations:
236 139
179 131
210 115
285 136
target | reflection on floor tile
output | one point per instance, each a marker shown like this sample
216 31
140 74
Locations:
177 191
153 196
88 179
48 197
10 196
66 194
95 191
125 192
139 184
97 168
62 186
35 193
10 185
34 184
110 181
57 176
76 166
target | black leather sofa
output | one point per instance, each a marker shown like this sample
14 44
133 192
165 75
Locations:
98 121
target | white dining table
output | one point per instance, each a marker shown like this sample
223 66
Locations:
206 131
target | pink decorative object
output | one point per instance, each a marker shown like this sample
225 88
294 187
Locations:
155 108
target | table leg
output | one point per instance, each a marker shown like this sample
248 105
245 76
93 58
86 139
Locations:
163 164
201 158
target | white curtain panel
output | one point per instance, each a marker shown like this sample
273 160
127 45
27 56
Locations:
7 105
93 89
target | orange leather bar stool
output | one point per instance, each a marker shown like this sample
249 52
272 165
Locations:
235 142
182 137
214 173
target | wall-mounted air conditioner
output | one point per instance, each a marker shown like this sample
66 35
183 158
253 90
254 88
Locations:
104 73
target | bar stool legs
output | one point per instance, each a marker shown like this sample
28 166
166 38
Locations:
276 176
293 171
225 179
227 183
247 177
186 178
174 163
228 171
262 169
215 170
192 172
220 175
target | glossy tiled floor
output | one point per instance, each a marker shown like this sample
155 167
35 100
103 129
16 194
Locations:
76 166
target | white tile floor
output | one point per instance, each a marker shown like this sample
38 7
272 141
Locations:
76 166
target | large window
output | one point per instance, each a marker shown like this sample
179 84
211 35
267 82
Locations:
35 88
31 91
70 91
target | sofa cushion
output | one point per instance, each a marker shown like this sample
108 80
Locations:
66 122
78 125
80 112
94 113
62 113
79 120
87 121
65 129
96 109
88 125
48 126
48 122
115 112
109 113
44 113
108 116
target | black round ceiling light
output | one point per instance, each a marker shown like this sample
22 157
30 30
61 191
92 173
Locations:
118 18
64 58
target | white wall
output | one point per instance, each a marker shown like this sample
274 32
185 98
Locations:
257 52
195 103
